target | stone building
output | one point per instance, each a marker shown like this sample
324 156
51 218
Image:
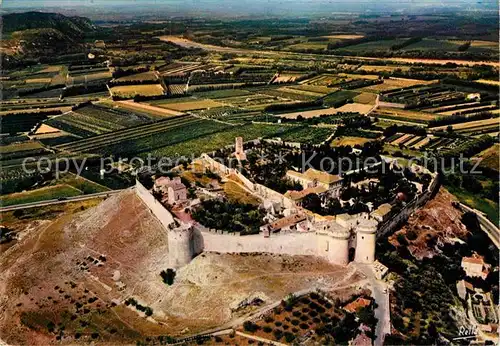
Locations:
313 178
291 223
174 189
382 212
475 266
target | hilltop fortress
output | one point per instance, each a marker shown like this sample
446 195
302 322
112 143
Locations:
299 232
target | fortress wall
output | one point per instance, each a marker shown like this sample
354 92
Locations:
395 221
248 184
295 244
158 210
291 244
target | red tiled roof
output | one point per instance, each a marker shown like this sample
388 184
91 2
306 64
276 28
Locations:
357 304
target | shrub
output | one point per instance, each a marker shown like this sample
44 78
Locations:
313 305
268 319
295 322
250 326
295 330
278 324
303 326
289 337
278 334
168 276
297 313
267 329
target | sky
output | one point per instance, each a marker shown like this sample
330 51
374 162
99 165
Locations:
291 7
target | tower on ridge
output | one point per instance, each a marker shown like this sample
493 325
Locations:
239 152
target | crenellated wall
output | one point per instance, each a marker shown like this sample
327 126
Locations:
186 241
335 250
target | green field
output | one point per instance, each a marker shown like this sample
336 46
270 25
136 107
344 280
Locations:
487 206
305 134
84 185
339 96
381 45
45 193
219 139
218 94
433 45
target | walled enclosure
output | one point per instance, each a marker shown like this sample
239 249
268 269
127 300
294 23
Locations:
330 242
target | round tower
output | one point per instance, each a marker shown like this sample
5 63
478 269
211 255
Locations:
339 253
334 243
180 246
366 236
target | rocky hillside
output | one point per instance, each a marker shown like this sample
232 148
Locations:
35 35
69 26
424 259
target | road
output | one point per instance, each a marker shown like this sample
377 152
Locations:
486 225
192 44
380 293
57 201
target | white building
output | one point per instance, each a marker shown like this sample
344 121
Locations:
475 266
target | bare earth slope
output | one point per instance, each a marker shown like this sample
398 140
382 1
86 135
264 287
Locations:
68 280
436 222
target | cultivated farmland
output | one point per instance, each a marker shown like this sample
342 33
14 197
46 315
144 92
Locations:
129 91
473 126
191 105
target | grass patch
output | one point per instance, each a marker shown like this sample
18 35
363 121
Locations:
351 141
237 194
487 206
42 194
218 139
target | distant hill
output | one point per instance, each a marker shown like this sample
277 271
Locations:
70 26
39 35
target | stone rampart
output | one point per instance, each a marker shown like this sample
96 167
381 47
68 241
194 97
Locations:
158 210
